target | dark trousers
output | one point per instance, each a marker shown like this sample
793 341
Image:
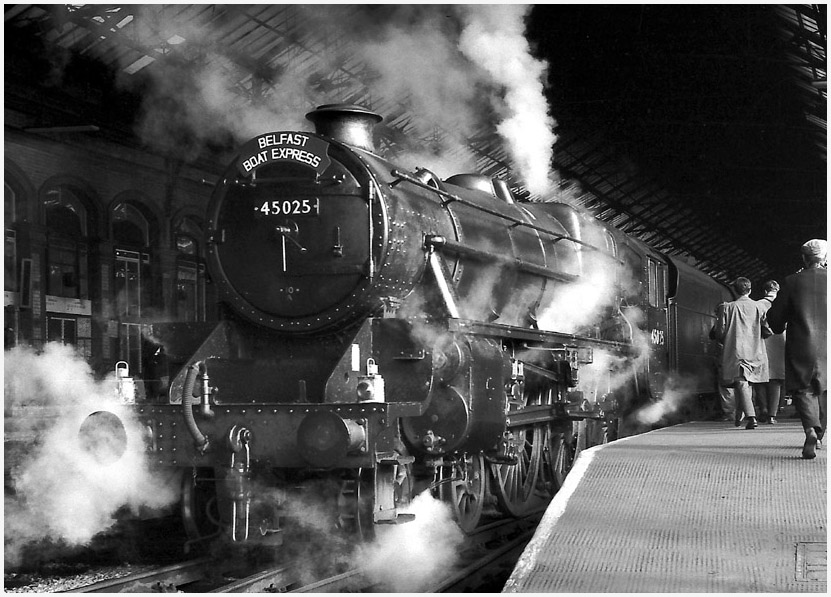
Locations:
767 397
812 409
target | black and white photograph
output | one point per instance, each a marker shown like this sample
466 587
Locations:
527 299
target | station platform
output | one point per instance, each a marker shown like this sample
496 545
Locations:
701 507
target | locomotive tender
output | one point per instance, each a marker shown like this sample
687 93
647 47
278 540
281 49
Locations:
386 331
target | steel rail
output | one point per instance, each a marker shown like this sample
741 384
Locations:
468 579
153 581
273 580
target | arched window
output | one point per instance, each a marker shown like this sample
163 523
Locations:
18 283
64 212
131 232
68 308
66 221
134 230
190 272
10 254
10 267
129 226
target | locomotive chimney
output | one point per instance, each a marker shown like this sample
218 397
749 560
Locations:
346 123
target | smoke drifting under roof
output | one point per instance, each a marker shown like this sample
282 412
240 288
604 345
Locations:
460 69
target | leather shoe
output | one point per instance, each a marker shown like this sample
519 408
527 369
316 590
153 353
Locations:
751 423
772 421
809 450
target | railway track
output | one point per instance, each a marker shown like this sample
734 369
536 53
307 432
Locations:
167 579
486 559
486 574
490 556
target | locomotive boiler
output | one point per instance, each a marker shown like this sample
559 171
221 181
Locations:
387 332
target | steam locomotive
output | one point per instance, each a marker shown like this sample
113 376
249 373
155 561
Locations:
388 332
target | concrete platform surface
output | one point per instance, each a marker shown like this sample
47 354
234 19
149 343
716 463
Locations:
696 508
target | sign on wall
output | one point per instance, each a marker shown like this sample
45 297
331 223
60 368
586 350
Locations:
68 306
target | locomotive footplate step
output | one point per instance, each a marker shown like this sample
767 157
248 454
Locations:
400 518
699 507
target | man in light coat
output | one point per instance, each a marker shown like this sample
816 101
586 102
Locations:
802 305
744 360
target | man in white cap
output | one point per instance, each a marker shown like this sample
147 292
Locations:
802 305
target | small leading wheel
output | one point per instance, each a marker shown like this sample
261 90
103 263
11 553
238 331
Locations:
355 498
200 510
463 486
515 484
404 484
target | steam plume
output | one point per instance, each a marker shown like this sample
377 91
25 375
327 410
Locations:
406 558
62 492
494 39
677 393
401 558
580 303
459 70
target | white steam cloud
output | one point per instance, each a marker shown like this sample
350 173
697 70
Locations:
494 39
421 62
609 373
407 558
581 303
678 392
61 491
459 71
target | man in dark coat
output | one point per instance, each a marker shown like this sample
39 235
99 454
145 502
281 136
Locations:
803 307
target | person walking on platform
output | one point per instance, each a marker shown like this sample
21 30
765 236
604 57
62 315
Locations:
744 359
803 307
727 398
769 394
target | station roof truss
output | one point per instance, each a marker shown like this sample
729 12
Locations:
803 28
257 45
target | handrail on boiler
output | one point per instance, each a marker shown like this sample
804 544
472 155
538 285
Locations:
446 245
451 198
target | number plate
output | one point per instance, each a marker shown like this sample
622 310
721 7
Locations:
307 206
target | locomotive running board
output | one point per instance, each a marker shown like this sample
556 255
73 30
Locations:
498 330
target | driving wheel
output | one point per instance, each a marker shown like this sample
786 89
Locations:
561 449
515 484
